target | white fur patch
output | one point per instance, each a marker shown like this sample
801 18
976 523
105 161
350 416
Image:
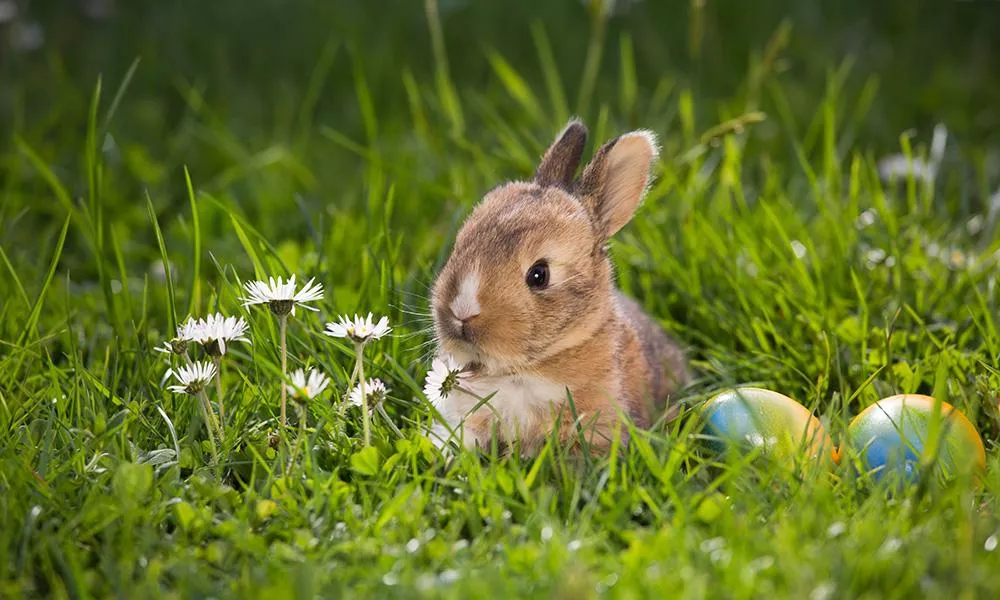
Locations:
466 303
520 405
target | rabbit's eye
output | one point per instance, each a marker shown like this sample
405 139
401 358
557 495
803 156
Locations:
537 277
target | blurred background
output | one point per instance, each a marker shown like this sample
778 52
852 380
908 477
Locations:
935 60
276 103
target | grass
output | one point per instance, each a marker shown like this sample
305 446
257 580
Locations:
750 248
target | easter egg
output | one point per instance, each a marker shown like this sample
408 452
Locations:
897 434
753 417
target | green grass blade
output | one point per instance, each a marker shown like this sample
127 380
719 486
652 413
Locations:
167 265
194 300
592 60
515 85
61 193
91 167
550 73
36 308
314 89
445 86
23 295
119 95
629 86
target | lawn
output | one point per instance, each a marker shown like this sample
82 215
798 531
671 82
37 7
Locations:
156 159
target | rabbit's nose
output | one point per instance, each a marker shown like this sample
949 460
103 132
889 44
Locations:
464 313
463 322
465 306
465 327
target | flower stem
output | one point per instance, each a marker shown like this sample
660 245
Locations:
207 410
283 328
299 439
350 386
365 416
303 416
218 393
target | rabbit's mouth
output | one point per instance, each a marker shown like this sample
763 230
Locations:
470 346
464 352
474 358
458 338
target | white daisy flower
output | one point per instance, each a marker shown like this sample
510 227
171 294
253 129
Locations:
375 391
360 330
280 296
192 378
215 331
445 375
308 385
186 332
188 329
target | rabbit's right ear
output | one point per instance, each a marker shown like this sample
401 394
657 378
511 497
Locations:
615 180
563 157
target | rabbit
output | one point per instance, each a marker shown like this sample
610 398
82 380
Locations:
527 300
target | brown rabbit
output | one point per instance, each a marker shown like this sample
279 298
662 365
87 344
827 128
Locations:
527 300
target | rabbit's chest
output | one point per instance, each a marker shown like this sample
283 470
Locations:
520 403
517 395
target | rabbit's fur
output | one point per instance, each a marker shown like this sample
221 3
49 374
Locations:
532 346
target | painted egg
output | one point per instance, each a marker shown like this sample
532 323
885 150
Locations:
895 434
755 417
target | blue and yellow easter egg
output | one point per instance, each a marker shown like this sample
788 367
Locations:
897 435
750 417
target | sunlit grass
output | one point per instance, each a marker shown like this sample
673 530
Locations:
810 276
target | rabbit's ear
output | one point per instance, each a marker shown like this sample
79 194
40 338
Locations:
563 157
615 180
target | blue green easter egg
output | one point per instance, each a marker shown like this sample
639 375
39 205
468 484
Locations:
893 437
750 417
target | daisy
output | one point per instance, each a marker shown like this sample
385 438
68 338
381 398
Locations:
307 386
445 376
214 331
188 329
360 330
186 332
174 346
281 297
375 392
192 378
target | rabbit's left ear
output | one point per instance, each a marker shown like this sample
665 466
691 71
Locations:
563 157
615 180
